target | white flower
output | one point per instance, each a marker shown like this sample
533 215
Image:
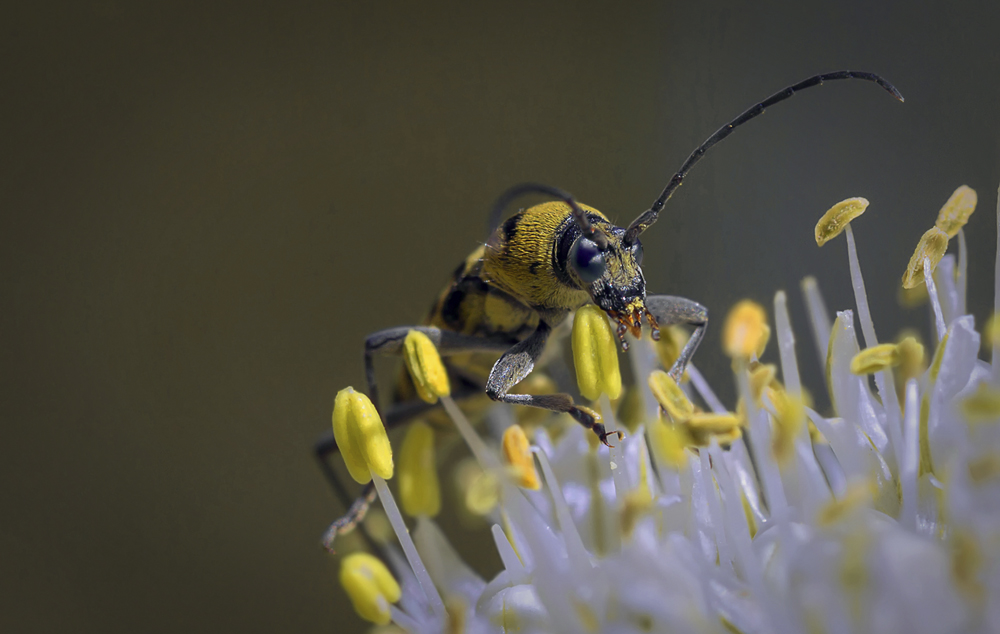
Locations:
882 518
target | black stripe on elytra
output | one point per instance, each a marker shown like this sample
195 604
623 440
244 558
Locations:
452 305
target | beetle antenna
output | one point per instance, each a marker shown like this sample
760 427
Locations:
648 217
517 191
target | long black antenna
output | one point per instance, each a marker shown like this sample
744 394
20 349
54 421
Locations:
648 217
537 188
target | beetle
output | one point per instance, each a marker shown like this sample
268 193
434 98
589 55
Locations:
537 267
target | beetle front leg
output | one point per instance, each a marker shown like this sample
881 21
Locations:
517 363
669 311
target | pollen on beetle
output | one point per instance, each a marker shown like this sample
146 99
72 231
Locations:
419 489
361 437
957 210
425 367
517 455
745 331
595 354
370 586
837 217
871 360
670 396
932 246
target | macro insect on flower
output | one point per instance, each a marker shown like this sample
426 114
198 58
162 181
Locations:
535 269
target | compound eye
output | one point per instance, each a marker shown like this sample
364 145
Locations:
637 253
587 260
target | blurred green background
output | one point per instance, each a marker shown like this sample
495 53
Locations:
206 207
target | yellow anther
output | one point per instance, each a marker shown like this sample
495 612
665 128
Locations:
426 370
790 416
761 376
361 436
419 489
745 331
482 494
668 348
871 360
517 454
712 423
983 405
957 210
668 443
992 330
370 586
636 505
670 396
967 560
932 246
856 496
984 468
911 358
631 409
837 217
912 297
595 354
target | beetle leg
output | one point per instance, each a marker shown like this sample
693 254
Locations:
517 363
388 342
670 310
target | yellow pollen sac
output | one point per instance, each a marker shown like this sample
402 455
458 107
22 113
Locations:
370 586
517 454
419 489
837 217
912 297
361 436
745 331
911 358
668 443
712 423
984 469
932 245
482 494
424 363
957 210
595 354
670 396
992 330
871 360
856 496
983 405
790 416
761 376
668 348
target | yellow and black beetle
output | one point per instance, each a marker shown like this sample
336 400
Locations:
538 266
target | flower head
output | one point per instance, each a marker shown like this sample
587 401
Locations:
882 515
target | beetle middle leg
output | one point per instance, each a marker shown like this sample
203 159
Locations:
517 363
669 311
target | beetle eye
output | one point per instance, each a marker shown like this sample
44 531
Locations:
587 260
637 253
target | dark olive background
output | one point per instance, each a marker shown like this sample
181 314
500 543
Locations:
206 208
